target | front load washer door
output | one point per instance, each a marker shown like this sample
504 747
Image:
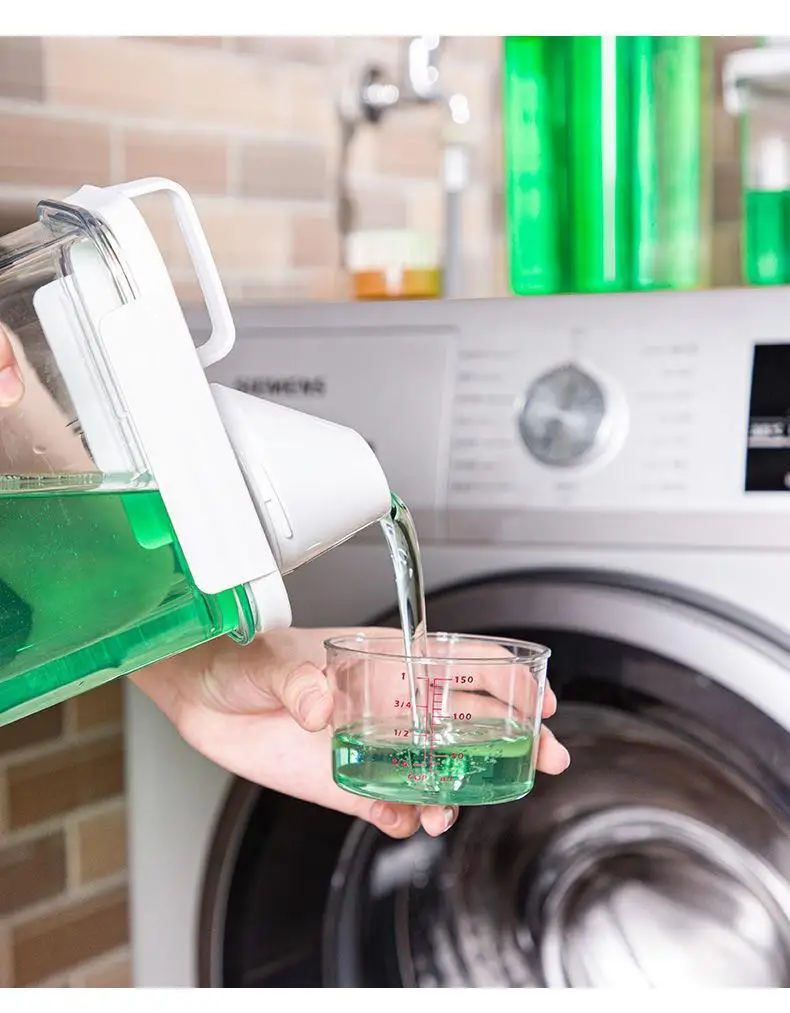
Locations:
660 858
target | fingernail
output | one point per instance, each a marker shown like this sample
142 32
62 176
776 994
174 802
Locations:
567 762
384 815
450 814
11 388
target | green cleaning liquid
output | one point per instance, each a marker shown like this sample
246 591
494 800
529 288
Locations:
533 191
599 160
93 585
602 156
765 239
474 764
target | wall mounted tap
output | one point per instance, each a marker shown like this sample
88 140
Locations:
420 84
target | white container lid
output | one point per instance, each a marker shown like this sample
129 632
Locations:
752 76
391 249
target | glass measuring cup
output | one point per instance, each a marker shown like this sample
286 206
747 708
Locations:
459 726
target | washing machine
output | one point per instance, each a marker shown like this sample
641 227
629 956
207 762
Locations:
609 475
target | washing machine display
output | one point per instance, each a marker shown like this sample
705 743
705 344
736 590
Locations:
768 451
562 419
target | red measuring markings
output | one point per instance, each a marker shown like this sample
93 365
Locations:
433 708
437 713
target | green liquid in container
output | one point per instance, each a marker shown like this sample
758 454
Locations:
532 173
93 585
767 216
599 163
678 68
557 62
603 161
645 175
474 764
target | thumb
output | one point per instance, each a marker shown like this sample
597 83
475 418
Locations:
262 678
305 694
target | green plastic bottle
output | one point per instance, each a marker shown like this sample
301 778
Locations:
766 222
533 166
600 163
603 154
754 91
647 250
678 127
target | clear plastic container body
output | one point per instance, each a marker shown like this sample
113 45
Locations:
459 726
93 582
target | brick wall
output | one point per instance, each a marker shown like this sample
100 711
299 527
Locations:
248 125
63 911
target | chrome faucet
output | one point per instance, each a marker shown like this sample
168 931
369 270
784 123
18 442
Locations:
420 84
419 80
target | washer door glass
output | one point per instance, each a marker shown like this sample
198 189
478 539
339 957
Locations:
661 857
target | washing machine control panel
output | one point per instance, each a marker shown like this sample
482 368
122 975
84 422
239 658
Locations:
635 404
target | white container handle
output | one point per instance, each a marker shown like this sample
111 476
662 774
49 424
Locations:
223 330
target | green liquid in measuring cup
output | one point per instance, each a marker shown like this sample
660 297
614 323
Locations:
93 585
472 764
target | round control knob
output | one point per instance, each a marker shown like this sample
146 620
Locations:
562 418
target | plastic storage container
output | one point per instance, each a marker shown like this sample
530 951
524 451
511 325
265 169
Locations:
143 511
393 264
757 91
604 140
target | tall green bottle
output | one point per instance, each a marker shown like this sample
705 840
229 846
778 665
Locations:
647 250
678 125
599 163
532 167
603 149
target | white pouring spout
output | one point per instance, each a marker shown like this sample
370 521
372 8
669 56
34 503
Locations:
314 483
